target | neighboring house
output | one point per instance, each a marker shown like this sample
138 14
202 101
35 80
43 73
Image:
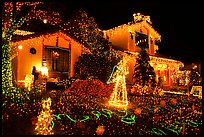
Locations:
195 64
121 38
188 66
55 50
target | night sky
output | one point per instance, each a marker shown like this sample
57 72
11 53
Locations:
178 23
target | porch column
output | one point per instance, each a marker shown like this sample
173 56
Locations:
170 80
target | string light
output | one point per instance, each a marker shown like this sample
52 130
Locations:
44 71
119 95
44 124
127 120
100 130
10 27
23 32
28 81
70 102
20 47
197 88
45 21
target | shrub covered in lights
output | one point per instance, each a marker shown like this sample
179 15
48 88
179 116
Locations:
91 87
99 62
19 101
94 65
77 114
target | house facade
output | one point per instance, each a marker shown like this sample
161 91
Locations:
58 52
55 51
120 37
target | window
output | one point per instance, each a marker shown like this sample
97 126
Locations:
57 59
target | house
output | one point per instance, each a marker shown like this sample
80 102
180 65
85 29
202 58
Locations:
55 51
193 64
58 52
121 37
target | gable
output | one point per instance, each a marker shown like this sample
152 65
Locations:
142 26
50 39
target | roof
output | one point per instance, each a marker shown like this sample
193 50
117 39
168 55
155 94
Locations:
17 38
166 58
132 25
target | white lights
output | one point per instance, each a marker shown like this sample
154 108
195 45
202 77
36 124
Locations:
44 71
20 47
22 32
119 95
28 81
45 21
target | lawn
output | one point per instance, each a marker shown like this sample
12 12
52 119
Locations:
77 113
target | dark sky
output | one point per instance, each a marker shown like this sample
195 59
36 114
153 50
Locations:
180 24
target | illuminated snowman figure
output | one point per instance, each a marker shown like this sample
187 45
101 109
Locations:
119 96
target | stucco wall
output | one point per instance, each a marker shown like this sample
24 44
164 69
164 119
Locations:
26 60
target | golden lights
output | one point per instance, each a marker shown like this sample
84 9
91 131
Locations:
23 32
197 88
44 71
45 21
20 47
100 130
119 95
28 81
195 66
44 125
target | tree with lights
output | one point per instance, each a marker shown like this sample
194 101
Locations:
85 30
96 66
100 61
88 65
143 72
44 124
14 15
194 77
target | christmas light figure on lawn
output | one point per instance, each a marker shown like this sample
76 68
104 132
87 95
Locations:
44 124
119 96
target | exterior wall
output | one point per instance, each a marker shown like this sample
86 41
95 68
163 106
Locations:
130 64
49 40
25 60
76 50
163 67
120 36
